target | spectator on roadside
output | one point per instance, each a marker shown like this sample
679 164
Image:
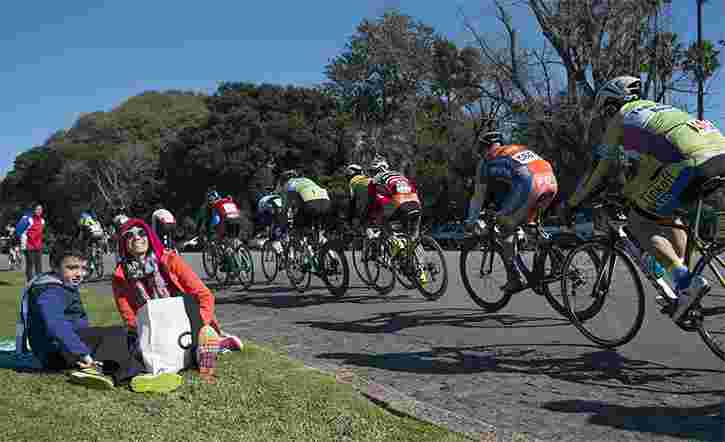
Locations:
147 271
57 327
30 232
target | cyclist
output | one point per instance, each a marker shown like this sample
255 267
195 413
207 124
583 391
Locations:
164 225
270 212
306 198
358 182
90 231
220 215
519 183
13 244
663 156
392 196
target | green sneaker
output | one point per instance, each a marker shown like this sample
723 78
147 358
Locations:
156 383
92 378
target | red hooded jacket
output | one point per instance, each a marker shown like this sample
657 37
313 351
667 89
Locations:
179 277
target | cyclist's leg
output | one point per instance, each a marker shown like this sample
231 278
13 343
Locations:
514 210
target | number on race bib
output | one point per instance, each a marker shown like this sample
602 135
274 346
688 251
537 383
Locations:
703 127
402 187
526 157
230 209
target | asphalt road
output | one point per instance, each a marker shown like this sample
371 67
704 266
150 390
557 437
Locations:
522 369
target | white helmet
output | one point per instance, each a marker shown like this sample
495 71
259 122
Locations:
379 165
353 169
621 89
120 220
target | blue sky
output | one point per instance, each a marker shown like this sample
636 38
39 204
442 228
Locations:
60 59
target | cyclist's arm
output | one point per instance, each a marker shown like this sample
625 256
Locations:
474 208
606 158
479 193
591 181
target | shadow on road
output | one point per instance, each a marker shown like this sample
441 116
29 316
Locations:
389 322
284 297
705 423
593 367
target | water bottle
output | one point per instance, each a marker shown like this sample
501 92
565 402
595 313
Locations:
655 268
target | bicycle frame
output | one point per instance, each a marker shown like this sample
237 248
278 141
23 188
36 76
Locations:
620 234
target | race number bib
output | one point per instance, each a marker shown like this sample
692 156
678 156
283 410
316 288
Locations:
525 157
703 127
231 210
402 187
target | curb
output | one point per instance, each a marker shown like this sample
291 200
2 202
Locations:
399 403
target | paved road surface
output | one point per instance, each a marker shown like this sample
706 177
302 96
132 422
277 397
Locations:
522 369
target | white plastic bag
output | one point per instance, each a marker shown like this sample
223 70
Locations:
165 335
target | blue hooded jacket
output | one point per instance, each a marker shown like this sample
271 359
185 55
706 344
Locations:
55 314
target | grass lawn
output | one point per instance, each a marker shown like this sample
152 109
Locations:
260 396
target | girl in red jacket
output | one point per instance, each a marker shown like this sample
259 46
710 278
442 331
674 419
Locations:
147 271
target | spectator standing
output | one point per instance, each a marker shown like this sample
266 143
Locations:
30 232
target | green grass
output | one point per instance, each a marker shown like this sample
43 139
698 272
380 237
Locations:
260 396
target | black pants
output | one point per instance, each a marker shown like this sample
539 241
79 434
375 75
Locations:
108 345
33 263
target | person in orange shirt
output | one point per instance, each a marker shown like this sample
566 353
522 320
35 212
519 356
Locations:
147 271
520 183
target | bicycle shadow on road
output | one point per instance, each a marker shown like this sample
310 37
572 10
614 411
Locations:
593 366
704 423
390 322
284 297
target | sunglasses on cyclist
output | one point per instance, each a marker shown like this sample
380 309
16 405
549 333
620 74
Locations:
134 232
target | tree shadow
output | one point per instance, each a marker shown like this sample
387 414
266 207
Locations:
593 367
390 322
704 423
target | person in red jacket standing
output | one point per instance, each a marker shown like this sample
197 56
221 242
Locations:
30 232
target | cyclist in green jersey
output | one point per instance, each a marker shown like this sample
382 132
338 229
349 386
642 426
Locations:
305 197
663 155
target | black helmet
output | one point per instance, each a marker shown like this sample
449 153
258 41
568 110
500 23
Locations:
489 138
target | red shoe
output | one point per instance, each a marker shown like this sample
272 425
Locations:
231 343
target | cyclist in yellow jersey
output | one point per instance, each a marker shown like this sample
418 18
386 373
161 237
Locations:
358 182
664 155
306 198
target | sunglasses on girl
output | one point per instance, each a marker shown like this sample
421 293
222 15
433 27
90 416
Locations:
136 232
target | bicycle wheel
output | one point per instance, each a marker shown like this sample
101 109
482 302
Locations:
483 274
614 262
243 259
380 264
358 260
585 263
429 267
208 260
710 311
297 272
270 261
334 269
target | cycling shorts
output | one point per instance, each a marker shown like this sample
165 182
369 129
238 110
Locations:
312 211
520 200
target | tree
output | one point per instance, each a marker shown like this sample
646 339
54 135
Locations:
378 78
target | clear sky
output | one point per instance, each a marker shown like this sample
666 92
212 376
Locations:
60 59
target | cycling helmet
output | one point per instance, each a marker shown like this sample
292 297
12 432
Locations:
379 165
213 196
353 169
119 220
620 90
287 174
489 138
